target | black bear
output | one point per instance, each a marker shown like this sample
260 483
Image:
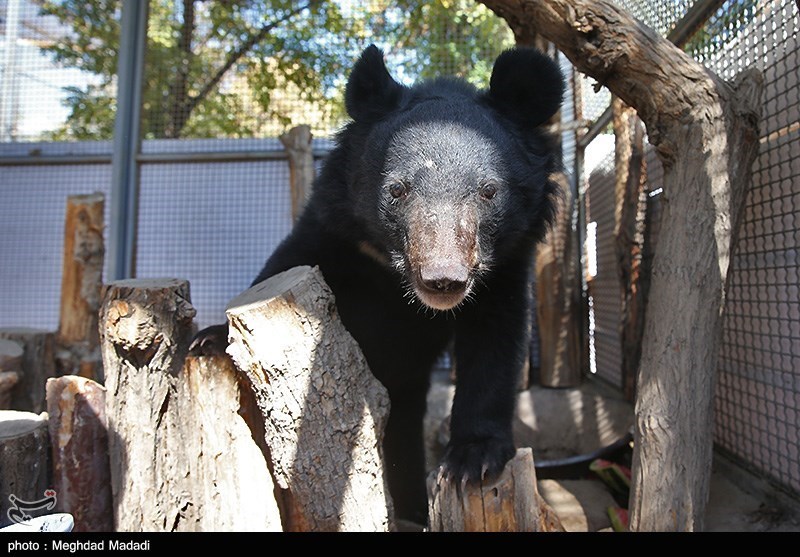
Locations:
423 222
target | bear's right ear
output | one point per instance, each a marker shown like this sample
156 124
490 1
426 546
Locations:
371 92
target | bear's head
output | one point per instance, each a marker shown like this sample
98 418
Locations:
452 182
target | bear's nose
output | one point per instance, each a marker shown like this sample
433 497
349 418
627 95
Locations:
445 278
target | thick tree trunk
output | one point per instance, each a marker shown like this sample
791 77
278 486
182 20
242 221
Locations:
79 436
38 365
24 466
510 503
297 142
145 329
78 342
324 412
705 131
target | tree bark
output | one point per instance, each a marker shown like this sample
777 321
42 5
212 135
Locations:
232 484
79 436
324 412
558 299
510 503
145 329
78 341
24 466
38 365
705 131
629 239
297 142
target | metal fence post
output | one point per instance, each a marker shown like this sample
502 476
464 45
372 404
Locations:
127 141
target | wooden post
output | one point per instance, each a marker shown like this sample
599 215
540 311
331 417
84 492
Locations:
629 238
79 437
145 329
558 299
37 367
81 283
24 466
705 131
232 484
510 503
297 142
10 365
324 412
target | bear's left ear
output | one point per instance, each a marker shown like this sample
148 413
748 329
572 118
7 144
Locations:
526 86
371 91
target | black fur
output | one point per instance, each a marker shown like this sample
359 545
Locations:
434 198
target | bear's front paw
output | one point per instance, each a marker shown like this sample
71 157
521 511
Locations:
211 341
474 460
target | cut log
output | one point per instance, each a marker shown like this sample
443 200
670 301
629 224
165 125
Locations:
510 503
79 440
81 282
24 467
232 485
297 142
10 365
145 329
37 367
324 412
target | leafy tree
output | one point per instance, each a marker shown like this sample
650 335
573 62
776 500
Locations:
242 68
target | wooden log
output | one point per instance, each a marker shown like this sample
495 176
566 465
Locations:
705 130
558 298
297 142
629 238
145 330
79 443
24 466
11 354
37 367
232 485
324 412
509 503
77 340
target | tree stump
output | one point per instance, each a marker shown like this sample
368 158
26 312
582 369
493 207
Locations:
24 466
79 437
510 503
324 412
37 367
232 484
10 365
145 329
297 142
78 340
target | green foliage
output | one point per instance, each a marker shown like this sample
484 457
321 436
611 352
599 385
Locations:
244 68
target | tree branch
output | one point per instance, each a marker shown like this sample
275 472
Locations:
179 112
245 47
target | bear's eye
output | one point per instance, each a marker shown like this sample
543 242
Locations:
488 190
398 189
